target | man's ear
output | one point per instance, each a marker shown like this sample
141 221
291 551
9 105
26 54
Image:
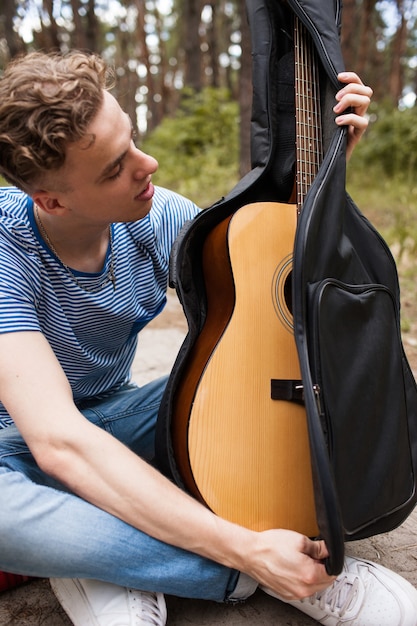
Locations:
48 201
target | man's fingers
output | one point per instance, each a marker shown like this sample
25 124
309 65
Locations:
317 550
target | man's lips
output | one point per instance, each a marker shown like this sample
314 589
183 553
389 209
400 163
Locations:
147 193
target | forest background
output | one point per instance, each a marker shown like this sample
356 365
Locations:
183 71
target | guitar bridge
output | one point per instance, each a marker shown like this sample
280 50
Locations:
289 390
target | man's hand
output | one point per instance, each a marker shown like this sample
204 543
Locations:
357 97
289 564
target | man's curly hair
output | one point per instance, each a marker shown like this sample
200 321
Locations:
47 100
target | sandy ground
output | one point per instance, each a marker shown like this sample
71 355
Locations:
35 605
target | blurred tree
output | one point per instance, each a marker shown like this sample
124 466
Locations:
378 42
158 47
12 42
245 93
190 20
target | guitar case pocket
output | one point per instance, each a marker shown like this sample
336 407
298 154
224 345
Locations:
357 359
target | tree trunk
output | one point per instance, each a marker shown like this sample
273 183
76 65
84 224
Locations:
92 31
348 34
15 44
245 93
191 37
79 39
144 58
399 46
212 41
48 38
366 36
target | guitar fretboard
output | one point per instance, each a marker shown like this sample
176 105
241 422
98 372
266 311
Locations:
307 106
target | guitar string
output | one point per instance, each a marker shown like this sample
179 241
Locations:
307 102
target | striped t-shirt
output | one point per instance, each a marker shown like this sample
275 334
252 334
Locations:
92 333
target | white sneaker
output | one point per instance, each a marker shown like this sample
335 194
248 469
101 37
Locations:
364 594
95 603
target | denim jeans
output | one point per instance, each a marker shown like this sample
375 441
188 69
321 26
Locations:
47 531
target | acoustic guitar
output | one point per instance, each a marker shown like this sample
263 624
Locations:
239 435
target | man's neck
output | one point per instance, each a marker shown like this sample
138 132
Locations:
77 246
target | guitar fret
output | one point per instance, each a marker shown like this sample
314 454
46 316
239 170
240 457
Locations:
308 119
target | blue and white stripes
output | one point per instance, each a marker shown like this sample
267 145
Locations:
93 334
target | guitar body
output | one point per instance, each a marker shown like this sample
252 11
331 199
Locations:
242 453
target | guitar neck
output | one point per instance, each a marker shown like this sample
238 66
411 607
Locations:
309 150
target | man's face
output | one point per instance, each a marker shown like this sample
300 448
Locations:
107 179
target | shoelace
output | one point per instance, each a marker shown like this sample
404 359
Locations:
338 598
149 607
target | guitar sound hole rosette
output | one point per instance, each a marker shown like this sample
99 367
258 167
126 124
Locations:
282 292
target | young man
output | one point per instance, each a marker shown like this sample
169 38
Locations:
84 246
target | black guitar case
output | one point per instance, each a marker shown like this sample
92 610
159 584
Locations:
359 392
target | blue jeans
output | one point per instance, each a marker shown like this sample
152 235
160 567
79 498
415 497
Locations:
47 531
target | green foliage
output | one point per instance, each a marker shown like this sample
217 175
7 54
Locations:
198 148
382 179
382 172
391 142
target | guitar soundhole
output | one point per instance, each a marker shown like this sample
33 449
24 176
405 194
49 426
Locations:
282 292
288 292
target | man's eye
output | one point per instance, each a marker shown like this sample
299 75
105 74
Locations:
116 174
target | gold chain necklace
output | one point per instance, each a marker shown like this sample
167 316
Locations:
110 276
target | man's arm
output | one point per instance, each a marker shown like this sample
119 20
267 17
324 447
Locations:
100 469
